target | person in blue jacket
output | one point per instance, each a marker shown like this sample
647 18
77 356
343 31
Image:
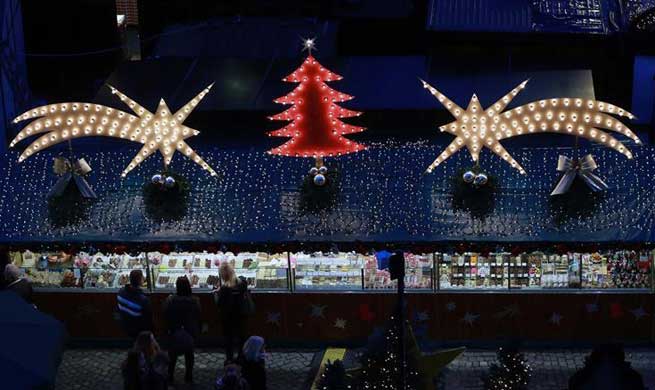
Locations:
134 306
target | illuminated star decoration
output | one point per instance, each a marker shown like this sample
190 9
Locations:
309 44
162 131
477 128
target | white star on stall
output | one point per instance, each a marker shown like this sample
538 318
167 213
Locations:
555 318
451 306
273 318
162 131
469 318
340 323
591 307
422 316
317 311
638 312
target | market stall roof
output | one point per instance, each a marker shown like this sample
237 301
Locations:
384 197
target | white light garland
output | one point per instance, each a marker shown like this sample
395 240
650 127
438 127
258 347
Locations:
162 131
477 128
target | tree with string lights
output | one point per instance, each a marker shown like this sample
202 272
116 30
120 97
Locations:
512 372
315 126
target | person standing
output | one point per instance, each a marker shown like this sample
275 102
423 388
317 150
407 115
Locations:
134 306
229 297
253 363
146 365
182 316
16 283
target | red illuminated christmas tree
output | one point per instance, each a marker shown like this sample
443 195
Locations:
314 117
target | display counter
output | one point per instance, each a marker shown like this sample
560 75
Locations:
346 271
319 297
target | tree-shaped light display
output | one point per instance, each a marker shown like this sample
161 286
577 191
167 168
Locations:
314 117
477 128
162 131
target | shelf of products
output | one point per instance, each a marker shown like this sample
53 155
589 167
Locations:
109 270
346 271
473 271
327 271
418 273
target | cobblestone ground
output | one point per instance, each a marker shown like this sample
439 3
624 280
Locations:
551 369
100 369
289 370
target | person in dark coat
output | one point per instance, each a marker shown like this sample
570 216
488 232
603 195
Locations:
134 306
606 369
14 282
253 363
231 379
229 298
146 365
182 315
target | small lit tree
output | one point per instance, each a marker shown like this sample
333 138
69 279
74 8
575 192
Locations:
511 372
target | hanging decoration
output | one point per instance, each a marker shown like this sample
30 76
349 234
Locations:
71 172
166 197
320 189
162 131
581 168
315 127
477 128
474 191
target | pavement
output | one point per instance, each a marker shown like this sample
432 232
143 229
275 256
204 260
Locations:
99 369
551 368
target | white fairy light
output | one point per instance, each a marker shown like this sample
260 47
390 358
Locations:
168 128
548 115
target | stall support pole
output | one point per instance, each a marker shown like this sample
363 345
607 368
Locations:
401 319
290 274
436 273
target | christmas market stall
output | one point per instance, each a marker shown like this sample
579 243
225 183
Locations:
502 240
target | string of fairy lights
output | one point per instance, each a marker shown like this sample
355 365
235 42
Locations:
384 196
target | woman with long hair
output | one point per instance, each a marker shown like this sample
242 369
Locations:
229 297
146 365
182 315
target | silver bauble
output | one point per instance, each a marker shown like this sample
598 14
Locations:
480 179
468 177
169 182
319 180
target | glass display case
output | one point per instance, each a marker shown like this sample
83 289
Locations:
200 268
418 273
346 271
53 269
109 270
630 269
525 270
326 271
473 271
